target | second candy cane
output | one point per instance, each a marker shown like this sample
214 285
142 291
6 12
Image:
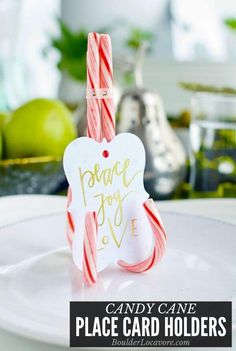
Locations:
106 85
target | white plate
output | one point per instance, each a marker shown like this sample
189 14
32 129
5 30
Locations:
38 279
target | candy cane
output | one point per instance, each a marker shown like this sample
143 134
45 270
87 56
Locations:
90 248
159 241
70 227
107 126
93 131
106 84
93 85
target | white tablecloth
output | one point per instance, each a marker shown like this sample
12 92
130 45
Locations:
15 208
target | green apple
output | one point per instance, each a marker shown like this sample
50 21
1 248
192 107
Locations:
40 127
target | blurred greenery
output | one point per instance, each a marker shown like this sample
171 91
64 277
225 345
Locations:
197 87
72 46
182 120
230 22
137 36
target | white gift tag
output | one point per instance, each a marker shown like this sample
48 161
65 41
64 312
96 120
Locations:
108 178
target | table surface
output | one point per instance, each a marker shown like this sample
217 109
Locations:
16 208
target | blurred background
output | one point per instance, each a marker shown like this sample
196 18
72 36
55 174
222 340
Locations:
175 87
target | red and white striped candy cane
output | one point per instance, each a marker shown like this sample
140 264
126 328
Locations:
90 248
93 85
159 241
106 84
70 227
93 129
